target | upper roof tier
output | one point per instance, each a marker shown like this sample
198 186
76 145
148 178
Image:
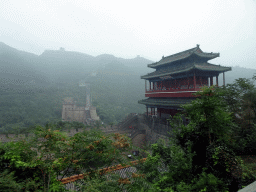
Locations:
183 55
186 67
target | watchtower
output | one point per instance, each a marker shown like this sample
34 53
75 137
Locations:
176 78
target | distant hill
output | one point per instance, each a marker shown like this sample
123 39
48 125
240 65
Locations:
60 66
238 72
45 80
18 67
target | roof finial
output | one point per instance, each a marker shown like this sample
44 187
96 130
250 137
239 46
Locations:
162 57
197 45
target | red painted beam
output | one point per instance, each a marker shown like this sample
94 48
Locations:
188 94
172 93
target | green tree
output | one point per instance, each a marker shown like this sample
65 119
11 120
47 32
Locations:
199 158
241 100
57 154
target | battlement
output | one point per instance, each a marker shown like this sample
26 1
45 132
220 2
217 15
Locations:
71 112
69 101
18 137
73 108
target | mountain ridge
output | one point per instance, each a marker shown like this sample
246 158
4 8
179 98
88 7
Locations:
64 66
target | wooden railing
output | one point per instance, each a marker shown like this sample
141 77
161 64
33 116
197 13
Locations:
68 182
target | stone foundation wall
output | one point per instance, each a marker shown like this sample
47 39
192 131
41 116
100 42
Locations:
155 129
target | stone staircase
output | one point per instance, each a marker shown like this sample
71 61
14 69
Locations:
139 140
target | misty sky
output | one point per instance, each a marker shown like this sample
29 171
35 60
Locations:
126 29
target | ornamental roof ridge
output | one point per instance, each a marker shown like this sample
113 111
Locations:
182 52
182 55
185 53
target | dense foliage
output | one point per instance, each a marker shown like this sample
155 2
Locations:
202 156
241 100
58 156
30 105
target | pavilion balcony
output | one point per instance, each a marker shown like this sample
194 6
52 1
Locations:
182 91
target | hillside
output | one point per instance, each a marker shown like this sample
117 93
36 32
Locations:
33 86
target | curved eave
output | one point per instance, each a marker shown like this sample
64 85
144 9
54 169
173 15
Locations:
208 56
201 68
164 74
152 64
161 62
222 69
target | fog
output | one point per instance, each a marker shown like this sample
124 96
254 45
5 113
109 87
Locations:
150 29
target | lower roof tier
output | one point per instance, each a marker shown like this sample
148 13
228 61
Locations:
166 102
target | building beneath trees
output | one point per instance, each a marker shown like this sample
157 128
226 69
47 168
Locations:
176 78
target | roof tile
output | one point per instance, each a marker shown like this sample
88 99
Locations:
182 55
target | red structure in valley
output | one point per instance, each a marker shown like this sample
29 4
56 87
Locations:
176 78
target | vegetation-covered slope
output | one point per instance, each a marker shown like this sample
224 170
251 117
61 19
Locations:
32 87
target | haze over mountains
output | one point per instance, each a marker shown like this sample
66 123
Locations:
60 66
32 87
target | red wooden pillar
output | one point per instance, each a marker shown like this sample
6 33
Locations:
188 82
194 80
211 81
178 83
217 81
223 79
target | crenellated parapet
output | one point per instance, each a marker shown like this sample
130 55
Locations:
18 137
71 112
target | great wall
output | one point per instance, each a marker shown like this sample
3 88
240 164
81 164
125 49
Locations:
139 127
